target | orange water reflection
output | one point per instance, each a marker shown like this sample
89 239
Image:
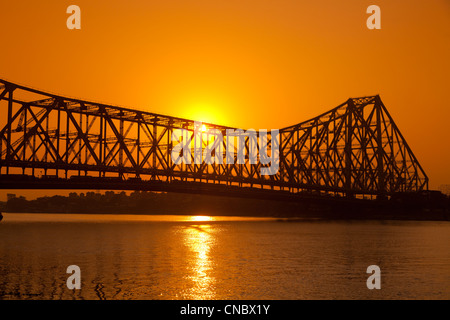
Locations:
199 239
70 217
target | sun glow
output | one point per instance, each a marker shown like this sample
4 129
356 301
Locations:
206 112
201 218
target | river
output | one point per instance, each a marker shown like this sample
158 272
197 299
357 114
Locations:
202 257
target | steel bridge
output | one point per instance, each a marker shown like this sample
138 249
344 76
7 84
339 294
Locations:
49 141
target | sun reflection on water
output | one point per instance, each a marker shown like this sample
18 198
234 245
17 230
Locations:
201 218
199 240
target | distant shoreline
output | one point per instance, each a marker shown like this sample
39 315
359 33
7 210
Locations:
280 218
150 203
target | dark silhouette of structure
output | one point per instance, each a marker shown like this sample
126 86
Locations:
53 142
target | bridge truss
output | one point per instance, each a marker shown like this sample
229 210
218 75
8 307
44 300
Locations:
355 149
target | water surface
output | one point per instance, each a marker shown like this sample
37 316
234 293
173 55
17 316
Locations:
191 257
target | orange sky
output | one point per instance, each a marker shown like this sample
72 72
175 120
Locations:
246 63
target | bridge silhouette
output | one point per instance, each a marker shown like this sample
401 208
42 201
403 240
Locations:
49 141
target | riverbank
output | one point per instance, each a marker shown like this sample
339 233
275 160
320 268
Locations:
153 203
